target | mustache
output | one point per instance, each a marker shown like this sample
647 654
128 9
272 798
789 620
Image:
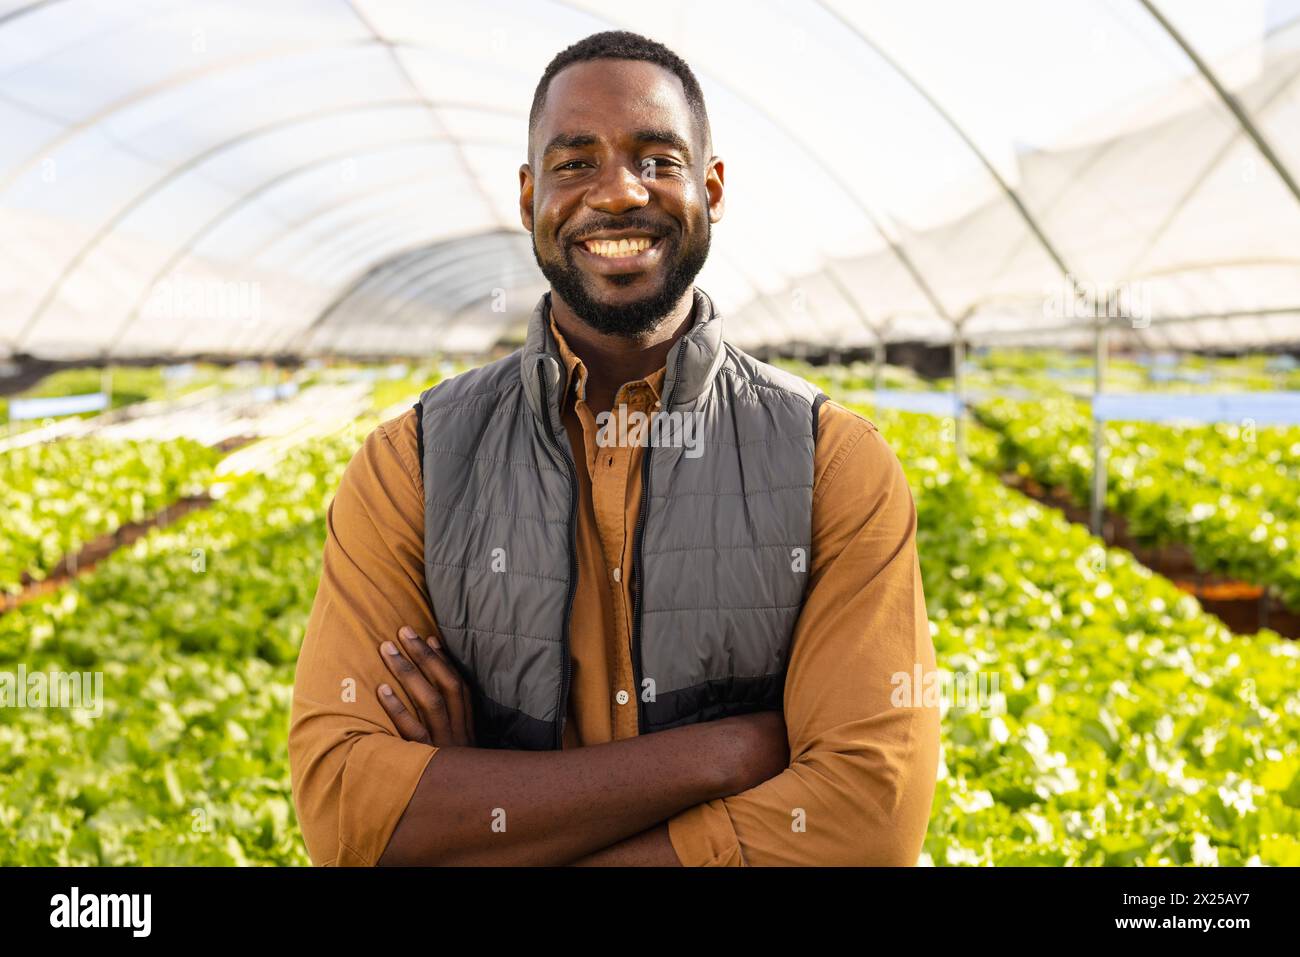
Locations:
658 230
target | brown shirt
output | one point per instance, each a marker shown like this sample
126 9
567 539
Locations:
862 772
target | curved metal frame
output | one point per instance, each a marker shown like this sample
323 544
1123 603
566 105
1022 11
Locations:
377 253
397 233
185 248
422 273
1243 117
175 81
345 289
1231 102
296 227
326 259
14 14
120 215
470 173
393 260
1177 207
417 284
1012 196
418 297
193 162
1122 323
1106 147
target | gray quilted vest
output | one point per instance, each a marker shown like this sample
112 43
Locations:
720 555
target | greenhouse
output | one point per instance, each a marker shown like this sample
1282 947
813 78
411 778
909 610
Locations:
1050 251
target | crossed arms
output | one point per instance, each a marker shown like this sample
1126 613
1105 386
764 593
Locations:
554 807
841 776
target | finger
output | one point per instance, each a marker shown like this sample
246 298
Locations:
437 669
469 721
428 702
408 726
467 699
462 694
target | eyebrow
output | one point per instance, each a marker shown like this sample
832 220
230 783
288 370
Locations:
573 141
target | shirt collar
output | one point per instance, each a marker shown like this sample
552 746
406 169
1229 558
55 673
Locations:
576 372
692 363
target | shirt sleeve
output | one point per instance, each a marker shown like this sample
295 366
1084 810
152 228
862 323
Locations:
862 774
352 773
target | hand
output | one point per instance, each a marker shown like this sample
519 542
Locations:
443 717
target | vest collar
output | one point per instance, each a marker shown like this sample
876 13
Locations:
695 358
692 363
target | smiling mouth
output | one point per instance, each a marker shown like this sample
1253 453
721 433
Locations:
618 248
627 254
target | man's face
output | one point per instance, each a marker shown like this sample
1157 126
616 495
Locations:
615 156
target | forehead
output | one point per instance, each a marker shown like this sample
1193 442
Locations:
612 96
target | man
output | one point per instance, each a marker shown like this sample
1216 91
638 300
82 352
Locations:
541 637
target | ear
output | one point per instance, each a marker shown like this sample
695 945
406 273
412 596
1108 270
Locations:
713 180
526 196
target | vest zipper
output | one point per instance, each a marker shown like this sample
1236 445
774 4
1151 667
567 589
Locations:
561 706
637 539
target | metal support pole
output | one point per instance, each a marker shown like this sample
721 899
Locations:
959 392
1098 431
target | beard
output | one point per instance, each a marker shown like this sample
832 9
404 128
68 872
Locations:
635 319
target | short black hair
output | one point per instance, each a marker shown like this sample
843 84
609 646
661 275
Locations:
625 45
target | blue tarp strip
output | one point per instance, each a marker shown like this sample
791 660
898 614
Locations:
931 403
1261 408
56 405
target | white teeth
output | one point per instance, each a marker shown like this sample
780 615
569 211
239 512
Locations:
618 247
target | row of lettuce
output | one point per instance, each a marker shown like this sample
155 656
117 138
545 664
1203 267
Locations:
58 496
194 629
1129 726
1126 725
1228 492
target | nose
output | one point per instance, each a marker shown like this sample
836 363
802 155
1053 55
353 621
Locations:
618 189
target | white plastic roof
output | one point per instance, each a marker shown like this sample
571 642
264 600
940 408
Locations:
340 176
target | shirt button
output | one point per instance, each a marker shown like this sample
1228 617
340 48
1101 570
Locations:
618 574
621 697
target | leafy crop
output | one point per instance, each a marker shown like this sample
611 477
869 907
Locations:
1130 727
195 628
1226 491
56 496
1127 727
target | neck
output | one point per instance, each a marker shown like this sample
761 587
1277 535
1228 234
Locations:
613 360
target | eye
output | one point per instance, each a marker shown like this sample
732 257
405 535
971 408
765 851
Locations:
659 161
567 165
